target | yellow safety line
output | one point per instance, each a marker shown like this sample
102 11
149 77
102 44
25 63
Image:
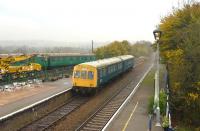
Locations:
127 122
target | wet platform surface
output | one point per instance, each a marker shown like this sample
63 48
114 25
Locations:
17 99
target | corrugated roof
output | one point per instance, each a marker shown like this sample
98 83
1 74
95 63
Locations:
108 61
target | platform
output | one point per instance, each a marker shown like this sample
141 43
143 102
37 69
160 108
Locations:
134 115
15 100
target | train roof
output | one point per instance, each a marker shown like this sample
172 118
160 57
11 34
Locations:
47 54
108 61
64 54
126 57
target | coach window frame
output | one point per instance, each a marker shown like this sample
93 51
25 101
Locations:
90 73
85 74
79 74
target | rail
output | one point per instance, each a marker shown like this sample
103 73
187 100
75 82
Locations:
32 105
33 111
101 119
55 116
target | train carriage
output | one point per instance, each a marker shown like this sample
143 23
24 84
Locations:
54 60
92 75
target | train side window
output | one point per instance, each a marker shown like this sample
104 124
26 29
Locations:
90 75
100 72
109 69
104 71
77 74
83 74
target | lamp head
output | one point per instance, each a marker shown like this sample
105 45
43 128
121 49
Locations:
157 34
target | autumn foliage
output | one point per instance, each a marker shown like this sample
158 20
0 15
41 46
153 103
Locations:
117 48
180 48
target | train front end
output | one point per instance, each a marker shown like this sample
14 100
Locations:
84 78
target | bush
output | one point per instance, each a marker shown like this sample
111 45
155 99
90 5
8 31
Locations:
165 122
150 105
162 102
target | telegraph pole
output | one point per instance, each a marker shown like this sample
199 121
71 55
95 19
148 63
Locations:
92 46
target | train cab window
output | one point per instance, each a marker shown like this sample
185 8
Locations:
83 74
90 75
77 74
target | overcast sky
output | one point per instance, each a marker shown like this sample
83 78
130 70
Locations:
81 20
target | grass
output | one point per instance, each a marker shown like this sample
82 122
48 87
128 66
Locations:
149 82
149 79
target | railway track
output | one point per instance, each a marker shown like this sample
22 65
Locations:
52 118
101 118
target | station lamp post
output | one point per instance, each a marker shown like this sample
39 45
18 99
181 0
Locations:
157 35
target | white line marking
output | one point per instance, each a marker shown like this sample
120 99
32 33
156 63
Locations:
128 98
127 122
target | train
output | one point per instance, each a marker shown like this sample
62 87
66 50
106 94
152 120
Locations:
35 65
55 60
90 76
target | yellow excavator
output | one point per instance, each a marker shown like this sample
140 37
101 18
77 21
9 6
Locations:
7 64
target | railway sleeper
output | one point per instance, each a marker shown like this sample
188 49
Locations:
99 119
89 129
94 125
116 101
114 107
102 116
108 110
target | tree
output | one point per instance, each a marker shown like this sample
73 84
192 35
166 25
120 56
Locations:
116 48
180 45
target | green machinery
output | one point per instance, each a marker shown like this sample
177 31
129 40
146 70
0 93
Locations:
53 66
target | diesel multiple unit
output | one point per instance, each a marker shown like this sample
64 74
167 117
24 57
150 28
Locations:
90 76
